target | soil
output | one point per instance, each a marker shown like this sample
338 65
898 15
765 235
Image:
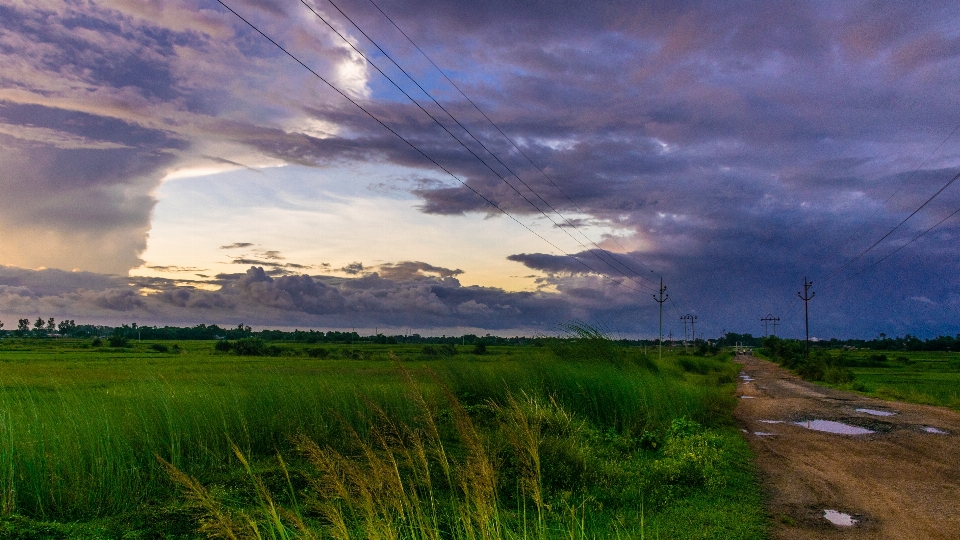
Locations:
900 482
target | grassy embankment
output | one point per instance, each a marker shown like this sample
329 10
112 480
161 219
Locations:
930 378
574 440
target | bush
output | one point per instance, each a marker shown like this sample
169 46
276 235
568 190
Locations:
690 456
318 352
878 360
480 348
354 354
250 347
707 349
223 345
159 347
903 360
97 342
118 341
701 366
837 375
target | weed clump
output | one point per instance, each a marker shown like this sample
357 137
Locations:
318 352
250 346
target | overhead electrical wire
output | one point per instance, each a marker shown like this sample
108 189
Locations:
505 136
826 284
891 231
612 237
517 147
903 184
414 147
592 251
894 252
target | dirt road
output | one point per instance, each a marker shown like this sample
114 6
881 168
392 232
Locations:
901 481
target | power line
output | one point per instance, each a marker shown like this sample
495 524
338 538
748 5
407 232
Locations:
891 231
411 145
888 255
475 155
505 136
905 181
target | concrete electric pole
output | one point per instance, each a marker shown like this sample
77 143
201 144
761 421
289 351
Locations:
661 300
806 296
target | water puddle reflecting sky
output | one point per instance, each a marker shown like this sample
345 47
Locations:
929 429
839 518
829 426
876 412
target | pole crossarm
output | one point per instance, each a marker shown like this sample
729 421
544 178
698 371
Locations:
768 319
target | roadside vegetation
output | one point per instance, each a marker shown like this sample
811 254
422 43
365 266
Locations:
247 438
911 373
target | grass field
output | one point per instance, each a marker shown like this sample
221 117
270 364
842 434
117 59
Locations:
577 439
931 378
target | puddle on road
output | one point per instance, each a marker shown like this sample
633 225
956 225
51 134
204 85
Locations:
876 412
839 518
772 421
829 426
763 434
747 397
929 429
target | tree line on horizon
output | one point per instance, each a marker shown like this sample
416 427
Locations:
49 328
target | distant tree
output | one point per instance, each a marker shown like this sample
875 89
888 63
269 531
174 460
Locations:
38 325
51 326
67 327
23 327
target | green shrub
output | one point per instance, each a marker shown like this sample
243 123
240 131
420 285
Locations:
698 365
223 345
837 375
690 456
480 348
118 341
250 346
318 352
903 360
160 347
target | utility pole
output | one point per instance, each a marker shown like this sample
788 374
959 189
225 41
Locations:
692 319
806 297
661 300
768 319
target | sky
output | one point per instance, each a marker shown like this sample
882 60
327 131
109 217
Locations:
501 167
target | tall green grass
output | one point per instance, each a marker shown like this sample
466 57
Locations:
553 433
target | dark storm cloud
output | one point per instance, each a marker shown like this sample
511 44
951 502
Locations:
407 270
258 298
741 144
